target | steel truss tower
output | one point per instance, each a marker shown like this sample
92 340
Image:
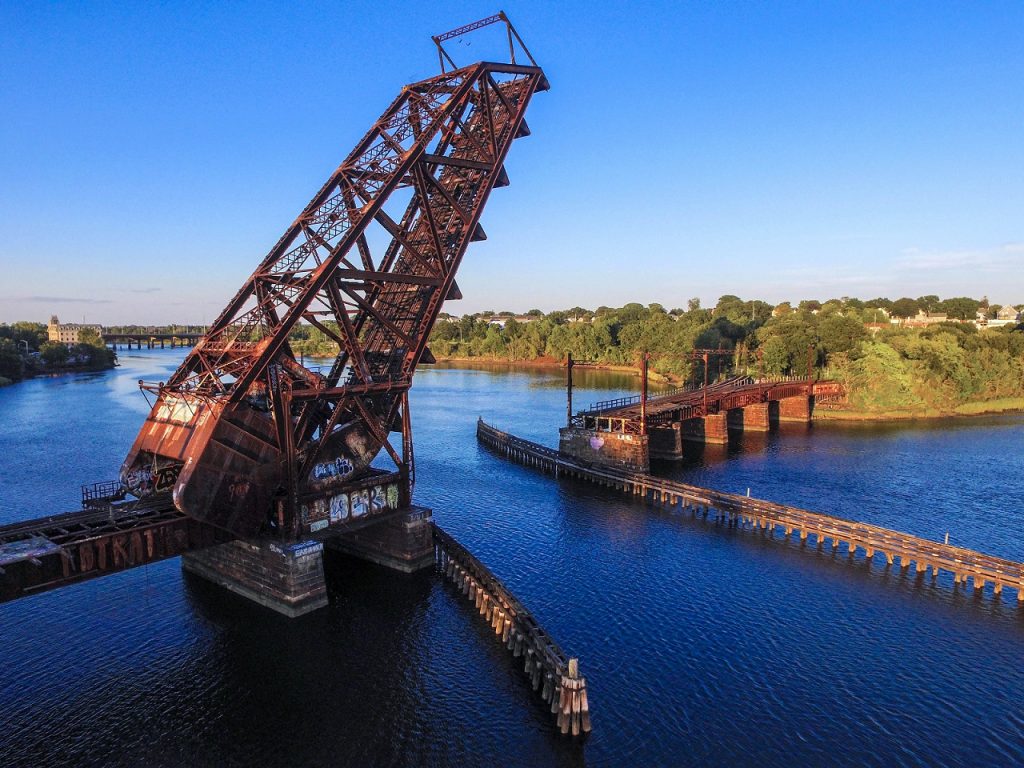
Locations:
242 429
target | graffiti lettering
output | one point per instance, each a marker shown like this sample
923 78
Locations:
144 481
166 477
238 490
360 503
139 481
340 467
339 507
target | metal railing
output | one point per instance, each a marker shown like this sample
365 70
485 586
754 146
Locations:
101 493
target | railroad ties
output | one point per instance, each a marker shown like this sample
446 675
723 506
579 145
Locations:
549 670
756 514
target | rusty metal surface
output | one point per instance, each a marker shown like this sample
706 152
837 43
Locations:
241 425
38 555
624 414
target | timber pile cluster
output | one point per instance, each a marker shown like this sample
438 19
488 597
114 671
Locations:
549 670
768 516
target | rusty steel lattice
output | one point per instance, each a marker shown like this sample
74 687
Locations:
242 425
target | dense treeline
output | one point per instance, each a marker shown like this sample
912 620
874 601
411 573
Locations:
25 351
885 366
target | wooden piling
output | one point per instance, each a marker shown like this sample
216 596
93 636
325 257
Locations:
765 516
550 672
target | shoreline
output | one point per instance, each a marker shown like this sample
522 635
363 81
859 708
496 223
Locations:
1002 406
552 364
52 374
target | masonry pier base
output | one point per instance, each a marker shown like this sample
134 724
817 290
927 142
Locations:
713 429
287 578
666 442
621 450
402 541
797 410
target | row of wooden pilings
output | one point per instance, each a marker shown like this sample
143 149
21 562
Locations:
551 673
757 514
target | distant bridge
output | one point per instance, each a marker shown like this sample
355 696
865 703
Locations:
151 340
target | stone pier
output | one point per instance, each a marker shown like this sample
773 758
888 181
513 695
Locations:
287 578
713 428
666 442
796 409
758 417
611 449
402 541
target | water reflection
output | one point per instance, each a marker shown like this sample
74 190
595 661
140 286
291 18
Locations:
703 645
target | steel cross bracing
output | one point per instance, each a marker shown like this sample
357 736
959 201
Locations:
369 262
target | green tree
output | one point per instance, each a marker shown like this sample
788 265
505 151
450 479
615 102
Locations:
54 353
774 357
12 366
90 336
904 308
961 308
839 334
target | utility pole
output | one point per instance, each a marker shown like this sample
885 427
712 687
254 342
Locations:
706 355
643 393
810 369
568 391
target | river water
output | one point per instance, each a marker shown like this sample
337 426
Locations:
702 646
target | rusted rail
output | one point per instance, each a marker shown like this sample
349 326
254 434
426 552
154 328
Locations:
757 514
551 672
50 552
624 414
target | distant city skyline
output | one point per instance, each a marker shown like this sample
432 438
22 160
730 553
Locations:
152 155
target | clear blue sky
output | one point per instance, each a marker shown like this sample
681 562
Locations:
151 154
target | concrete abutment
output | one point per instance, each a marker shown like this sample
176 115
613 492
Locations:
288 577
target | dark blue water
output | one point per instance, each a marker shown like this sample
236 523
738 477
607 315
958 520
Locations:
701 645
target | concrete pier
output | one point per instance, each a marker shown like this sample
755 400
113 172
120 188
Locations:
713 429
624 451
797 409
401 541
287 578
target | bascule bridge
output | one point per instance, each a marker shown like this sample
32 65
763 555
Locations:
249 460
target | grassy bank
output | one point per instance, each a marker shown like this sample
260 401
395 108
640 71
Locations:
979 408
